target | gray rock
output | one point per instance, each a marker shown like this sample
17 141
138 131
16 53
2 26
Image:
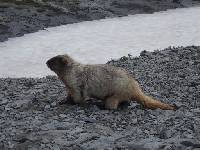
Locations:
47 106
53 104
62 115
4 102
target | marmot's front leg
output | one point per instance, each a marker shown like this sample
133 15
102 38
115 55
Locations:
68 99
77 97
72 97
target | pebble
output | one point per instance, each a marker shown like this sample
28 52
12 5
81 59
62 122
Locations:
62 115
53 104
134 121
47 106
55 147
197 110
3 102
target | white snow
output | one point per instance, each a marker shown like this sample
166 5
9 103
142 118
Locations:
99 41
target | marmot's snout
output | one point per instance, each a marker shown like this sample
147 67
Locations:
57 64
49 64
53 63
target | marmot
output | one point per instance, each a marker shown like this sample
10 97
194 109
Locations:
110 84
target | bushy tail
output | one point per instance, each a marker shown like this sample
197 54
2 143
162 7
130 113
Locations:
149 102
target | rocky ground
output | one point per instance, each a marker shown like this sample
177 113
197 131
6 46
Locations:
18 17
32 118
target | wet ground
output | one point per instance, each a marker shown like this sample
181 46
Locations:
31 116
18 17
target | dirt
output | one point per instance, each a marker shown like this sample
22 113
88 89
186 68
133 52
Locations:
32 117
18 17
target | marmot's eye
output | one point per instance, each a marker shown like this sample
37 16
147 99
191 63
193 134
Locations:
64 61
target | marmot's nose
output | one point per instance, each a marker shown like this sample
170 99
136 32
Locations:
48 63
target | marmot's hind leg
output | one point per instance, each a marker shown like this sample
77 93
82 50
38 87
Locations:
112 103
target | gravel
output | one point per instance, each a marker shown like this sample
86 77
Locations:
31 116
18 17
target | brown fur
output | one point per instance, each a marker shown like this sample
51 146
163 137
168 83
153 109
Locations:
111 84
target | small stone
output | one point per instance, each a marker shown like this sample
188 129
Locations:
139 112
189 136
119 129
152 116
47 107
144 53
62 115
123 122
187 143
146 131
45 141
3 102
89 120
7 108
42 146
10 145
53 104
134 121
197 110
55 147
165 134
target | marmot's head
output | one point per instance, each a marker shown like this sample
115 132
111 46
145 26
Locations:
59 63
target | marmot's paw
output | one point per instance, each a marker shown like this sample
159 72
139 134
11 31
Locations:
67 100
